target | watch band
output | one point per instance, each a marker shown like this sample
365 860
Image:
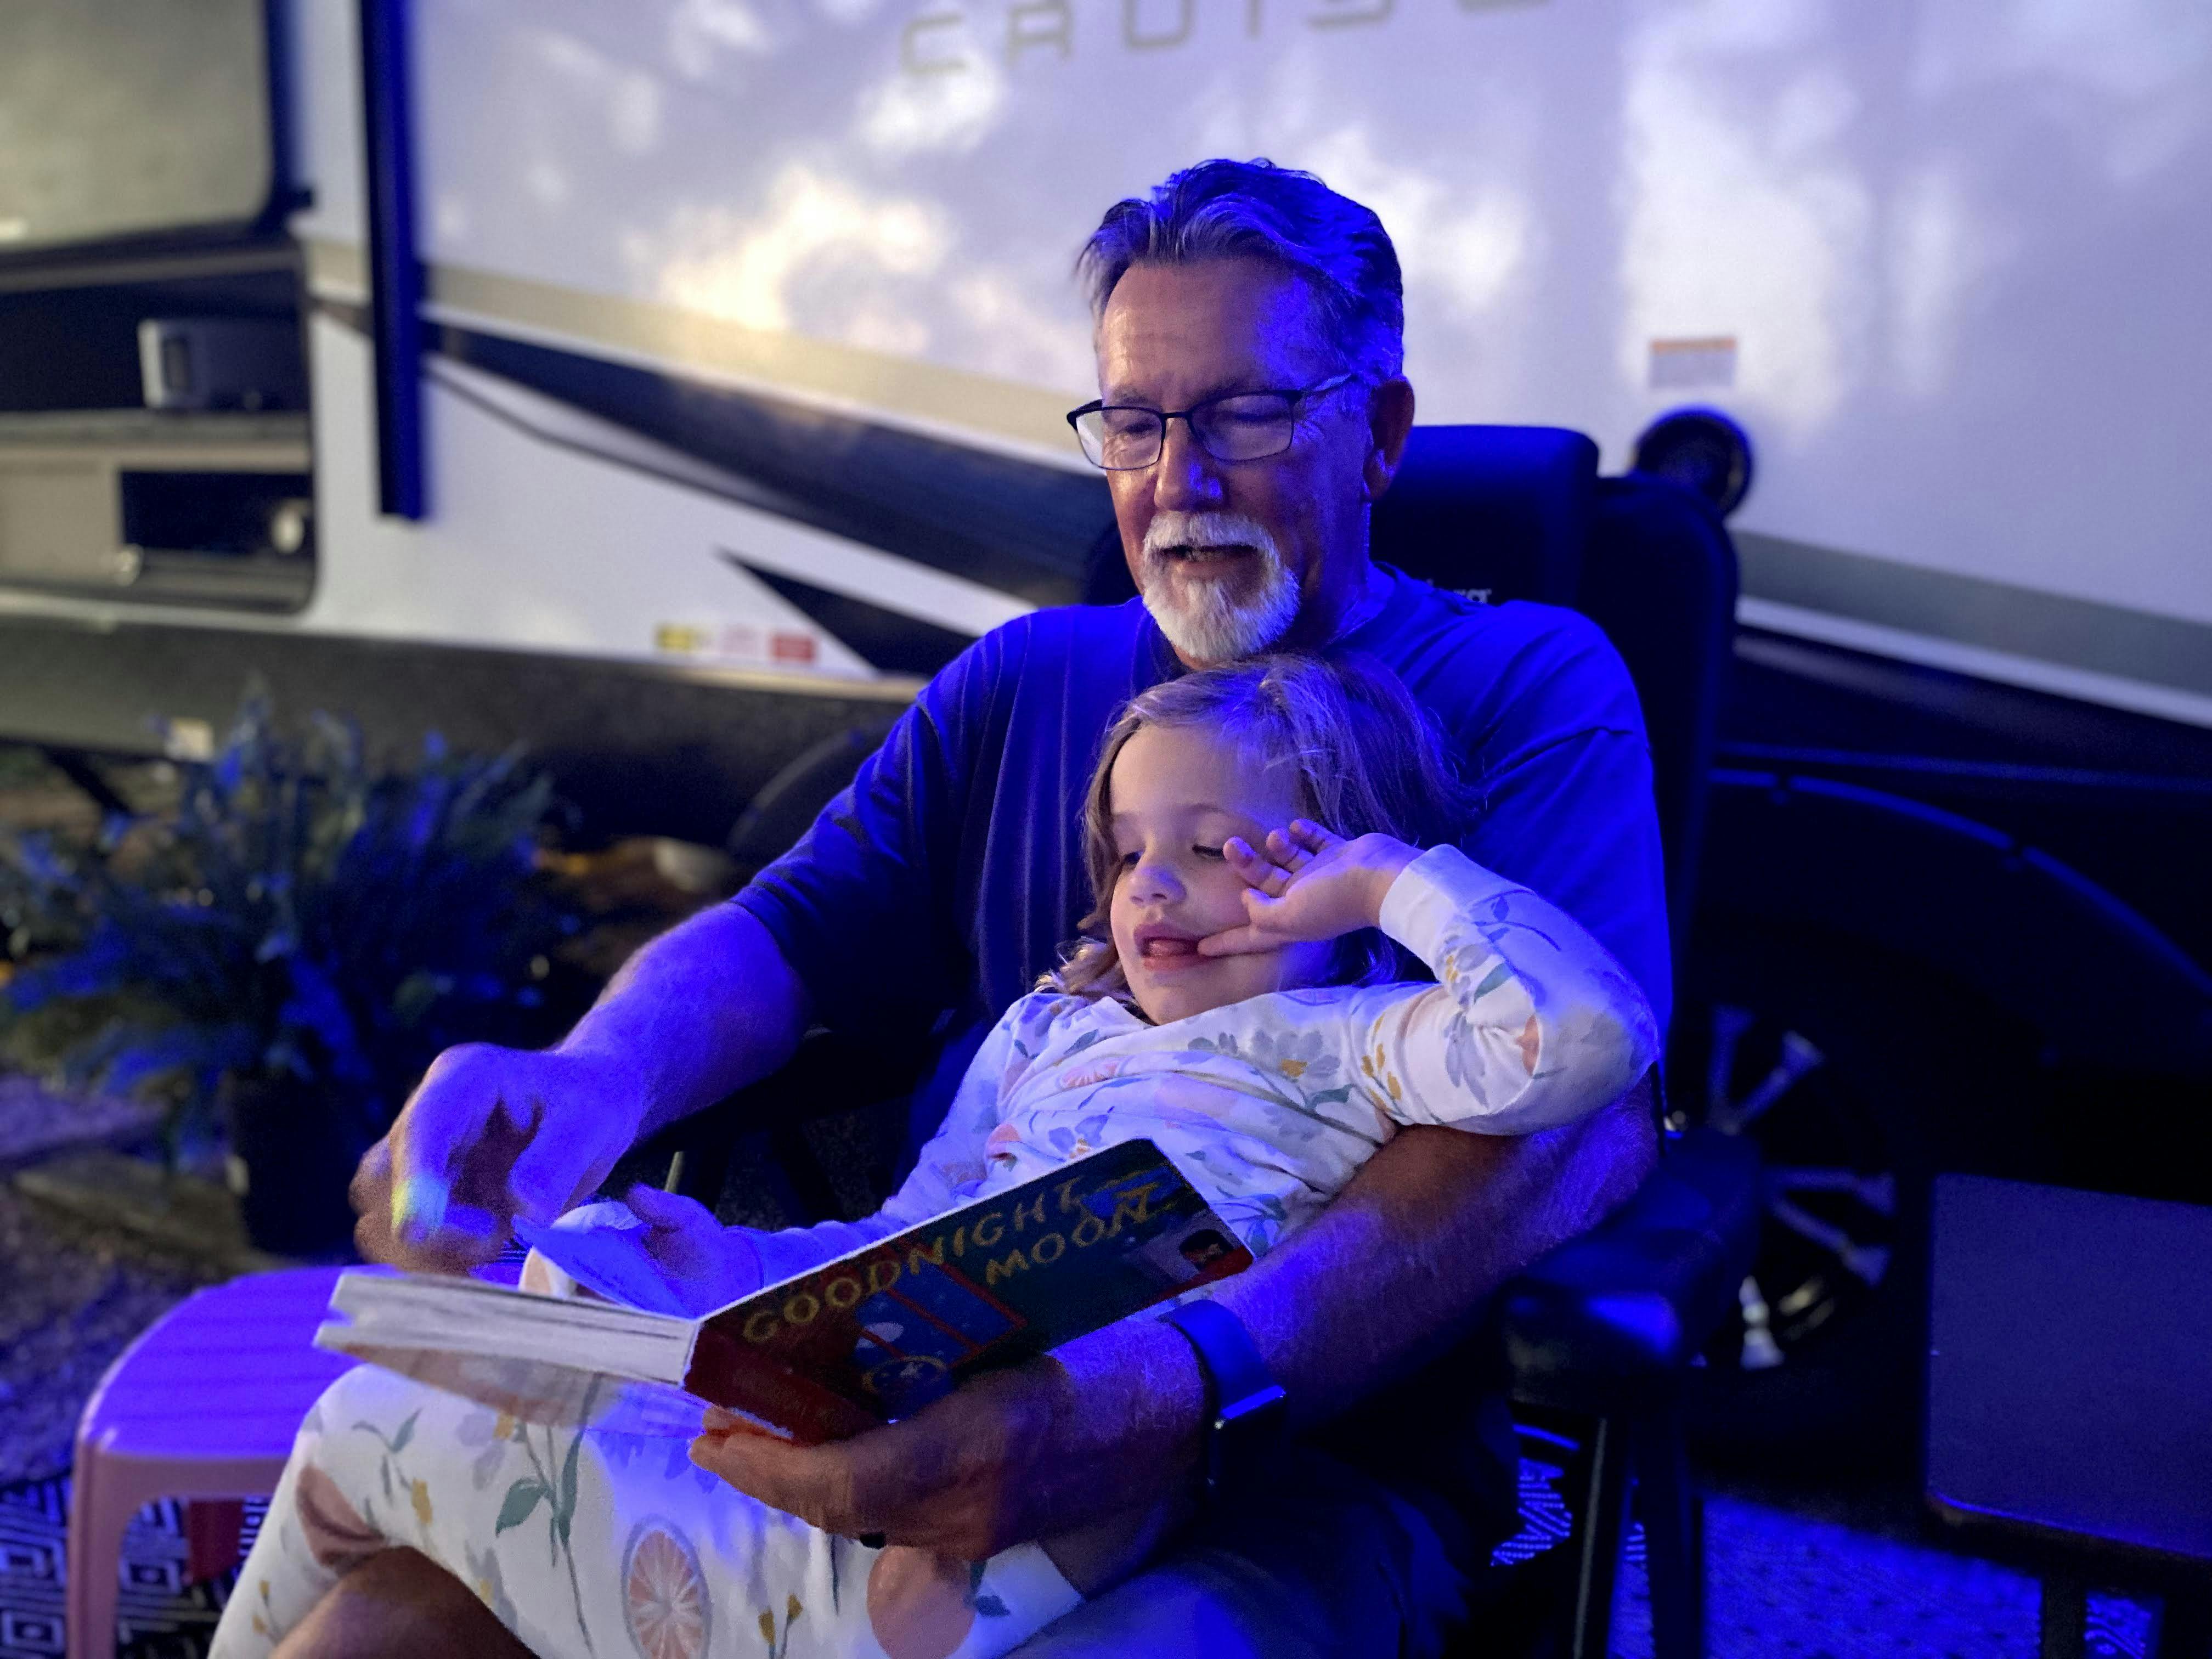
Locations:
1245 1405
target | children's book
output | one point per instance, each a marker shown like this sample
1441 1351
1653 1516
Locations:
865 1340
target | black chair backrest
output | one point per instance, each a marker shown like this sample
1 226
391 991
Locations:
1519 512
1497 512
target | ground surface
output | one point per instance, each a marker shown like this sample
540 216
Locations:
71 1297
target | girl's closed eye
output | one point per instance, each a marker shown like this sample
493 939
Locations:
1128 860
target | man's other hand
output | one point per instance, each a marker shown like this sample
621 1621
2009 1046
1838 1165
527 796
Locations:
1108 1422
491 1133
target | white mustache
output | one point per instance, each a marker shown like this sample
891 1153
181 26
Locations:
1177 530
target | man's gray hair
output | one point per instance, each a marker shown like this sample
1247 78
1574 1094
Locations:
1256 211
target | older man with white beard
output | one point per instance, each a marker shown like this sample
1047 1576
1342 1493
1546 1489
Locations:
1252 406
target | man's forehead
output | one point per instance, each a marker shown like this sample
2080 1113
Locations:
1193 332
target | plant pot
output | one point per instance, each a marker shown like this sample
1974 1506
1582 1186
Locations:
293 1151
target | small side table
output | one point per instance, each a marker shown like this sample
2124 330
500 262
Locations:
203 1405
2069 1396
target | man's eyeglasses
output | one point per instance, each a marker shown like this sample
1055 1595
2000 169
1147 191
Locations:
1239 426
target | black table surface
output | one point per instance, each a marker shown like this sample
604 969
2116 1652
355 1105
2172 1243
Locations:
2070 1385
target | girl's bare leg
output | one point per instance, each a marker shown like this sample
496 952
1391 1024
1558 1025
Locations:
399 1602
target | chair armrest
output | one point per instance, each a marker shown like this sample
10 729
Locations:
1605 1322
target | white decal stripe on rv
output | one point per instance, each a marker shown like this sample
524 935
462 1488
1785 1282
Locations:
769 541
2085 683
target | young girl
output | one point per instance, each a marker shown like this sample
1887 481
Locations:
1239 997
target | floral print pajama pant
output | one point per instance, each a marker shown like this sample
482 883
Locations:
595 1546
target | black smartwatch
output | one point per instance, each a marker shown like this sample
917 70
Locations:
1245 1407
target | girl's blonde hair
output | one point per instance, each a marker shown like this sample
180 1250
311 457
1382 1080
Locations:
1367 757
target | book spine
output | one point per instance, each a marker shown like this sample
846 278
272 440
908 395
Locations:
725 1372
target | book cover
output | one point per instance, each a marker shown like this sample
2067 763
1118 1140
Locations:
876 1335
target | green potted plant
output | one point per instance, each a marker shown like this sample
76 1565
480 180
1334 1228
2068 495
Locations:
284 952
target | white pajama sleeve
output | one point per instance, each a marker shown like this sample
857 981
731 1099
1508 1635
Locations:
1530 1025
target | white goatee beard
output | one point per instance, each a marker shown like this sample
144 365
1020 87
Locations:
1201 619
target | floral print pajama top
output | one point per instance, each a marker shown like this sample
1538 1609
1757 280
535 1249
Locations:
595 1544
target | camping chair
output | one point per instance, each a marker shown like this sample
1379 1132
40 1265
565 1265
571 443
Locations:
1605 1328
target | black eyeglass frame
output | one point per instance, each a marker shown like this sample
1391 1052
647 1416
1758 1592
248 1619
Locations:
1297 397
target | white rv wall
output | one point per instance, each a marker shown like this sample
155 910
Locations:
1945 259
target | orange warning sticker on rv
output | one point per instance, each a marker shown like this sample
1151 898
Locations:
1704 360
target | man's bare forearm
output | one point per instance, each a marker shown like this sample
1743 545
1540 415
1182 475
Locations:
706 1008
1391 1269
492 1133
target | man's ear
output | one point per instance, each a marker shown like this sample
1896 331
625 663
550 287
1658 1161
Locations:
1389 423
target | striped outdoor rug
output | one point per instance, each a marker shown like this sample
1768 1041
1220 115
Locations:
160 1616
